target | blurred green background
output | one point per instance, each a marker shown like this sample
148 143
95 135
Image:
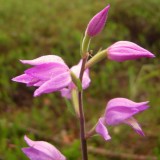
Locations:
32 28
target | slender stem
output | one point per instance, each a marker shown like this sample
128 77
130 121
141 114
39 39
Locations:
81 115
98 57
85 45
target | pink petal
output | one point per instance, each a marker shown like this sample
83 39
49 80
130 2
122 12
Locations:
66 92
43 148
76 68
44 59
46 71
24 78
127 103
54 84
34 154
97 23
114 117
133 123
86 79
102 130
125 50
39 83
120 109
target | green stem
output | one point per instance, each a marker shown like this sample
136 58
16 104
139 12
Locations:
98 57
75 101
85 45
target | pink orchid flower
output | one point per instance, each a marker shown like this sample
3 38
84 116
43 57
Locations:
120 110
41 150
50 74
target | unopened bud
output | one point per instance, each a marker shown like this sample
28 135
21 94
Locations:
125 50
97 23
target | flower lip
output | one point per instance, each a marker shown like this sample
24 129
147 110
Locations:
134 124
101 129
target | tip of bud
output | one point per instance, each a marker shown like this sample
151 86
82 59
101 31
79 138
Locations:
97 23
151 55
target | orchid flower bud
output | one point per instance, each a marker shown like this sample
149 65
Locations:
125 50
120 51
97 23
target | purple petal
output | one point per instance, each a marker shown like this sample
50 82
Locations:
66 92
46 71
102 130
24 78
42 148
133 123
57 83
120 109
34 154
124 102
44 59
39 83
125 50
86 79
97 23
76 68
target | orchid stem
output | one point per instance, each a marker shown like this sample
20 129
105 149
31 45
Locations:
81 115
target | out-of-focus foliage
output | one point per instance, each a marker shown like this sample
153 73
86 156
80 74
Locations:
29 29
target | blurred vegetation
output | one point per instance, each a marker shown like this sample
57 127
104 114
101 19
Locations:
29 29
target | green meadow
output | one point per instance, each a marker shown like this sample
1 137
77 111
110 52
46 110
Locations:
32 28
